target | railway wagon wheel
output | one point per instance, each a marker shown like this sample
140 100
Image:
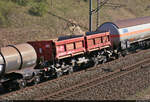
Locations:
71 70
104 59
59 74
6 87
95 61
37 79
124 53
22 83
117 55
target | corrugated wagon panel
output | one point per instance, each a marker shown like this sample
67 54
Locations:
98 41
79 44
69 47
90 42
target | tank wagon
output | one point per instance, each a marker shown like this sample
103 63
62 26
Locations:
29 62
16 58
32 61
128 33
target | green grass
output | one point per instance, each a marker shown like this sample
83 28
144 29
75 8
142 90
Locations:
6 8
55 17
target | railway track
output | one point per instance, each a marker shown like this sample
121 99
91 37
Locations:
68 92
31 89
51 81
35 87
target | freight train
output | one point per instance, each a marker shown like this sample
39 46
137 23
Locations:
30 62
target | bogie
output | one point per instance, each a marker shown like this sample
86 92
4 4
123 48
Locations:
35 60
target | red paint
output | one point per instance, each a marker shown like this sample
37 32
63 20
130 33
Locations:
62 51
104 41
43 49
71 47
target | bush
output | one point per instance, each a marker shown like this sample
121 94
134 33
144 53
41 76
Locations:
38 9
21 2
5 10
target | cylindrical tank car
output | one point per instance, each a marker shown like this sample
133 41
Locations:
124 31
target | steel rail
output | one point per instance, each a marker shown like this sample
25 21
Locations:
28 89
62 94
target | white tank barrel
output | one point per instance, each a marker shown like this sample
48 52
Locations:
131 29
16 57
